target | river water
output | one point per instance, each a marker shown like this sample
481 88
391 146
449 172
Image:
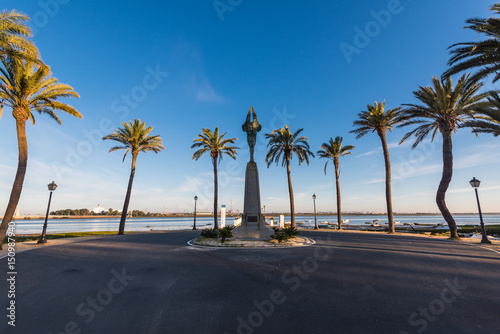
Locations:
186 223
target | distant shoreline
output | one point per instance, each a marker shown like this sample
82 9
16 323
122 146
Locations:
267 214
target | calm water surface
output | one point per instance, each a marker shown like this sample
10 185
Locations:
174 223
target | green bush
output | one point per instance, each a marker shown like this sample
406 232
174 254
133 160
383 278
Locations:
290 232
279 236
225 232
209 233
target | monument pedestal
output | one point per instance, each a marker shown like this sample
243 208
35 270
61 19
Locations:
253 226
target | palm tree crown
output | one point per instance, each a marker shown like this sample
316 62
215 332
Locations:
487 119
284 143
444 108
135 138
214 143
333 150
376 119
26 87
13 34
483 55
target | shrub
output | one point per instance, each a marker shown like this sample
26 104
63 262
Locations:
209 233
279 236
226 232
290 232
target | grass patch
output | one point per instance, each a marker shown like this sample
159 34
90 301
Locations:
22 238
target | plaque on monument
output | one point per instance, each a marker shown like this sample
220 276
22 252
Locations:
252 226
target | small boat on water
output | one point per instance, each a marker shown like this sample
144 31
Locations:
397 223
300 223
324 223
376 221
345 221
376 225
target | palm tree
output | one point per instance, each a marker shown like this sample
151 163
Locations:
13 37
134 137
333 150
482 55
26 87
379 120
487 119
444 109
217 145
283 144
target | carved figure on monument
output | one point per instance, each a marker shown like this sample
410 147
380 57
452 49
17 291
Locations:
253 226
251 127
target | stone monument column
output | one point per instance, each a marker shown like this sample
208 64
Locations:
252 225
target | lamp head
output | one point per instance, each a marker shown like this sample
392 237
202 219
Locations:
475 183
196 198
52 186
314 196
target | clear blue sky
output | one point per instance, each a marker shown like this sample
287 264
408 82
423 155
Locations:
284 58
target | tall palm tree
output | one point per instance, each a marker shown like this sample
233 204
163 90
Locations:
283 144
483 55
217 146
333 150
487 119
134 137
444 109
13 37
26 87
379 120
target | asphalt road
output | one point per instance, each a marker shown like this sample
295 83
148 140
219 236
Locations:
346 283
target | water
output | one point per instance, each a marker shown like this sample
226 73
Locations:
186 223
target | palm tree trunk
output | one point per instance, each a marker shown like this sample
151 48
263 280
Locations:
388 195
337 183
445 182
121 230
18 181
216 183
290 191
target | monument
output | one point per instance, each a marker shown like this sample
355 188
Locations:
253 226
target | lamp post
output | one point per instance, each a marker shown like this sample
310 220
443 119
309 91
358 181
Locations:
195 199
43 237
475 184
264 209
315 219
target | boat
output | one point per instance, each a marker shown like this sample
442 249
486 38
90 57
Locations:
345 220
376 225
397 223
376 221
324 223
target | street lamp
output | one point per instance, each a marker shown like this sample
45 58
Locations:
315 219
43 237
195 199
264 209
475 184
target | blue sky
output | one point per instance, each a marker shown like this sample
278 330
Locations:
185 65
